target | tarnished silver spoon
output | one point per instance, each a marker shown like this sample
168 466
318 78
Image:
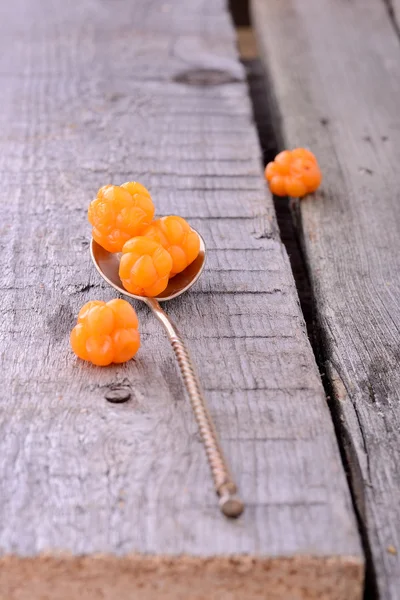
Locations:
107 265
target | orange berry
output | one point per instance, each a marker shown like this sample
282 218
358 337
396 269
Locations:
78 341
99 318
100 350
106 333
87 307
176 236
134 187
313 180
283 161
295 187
271 170
124 314
126 343
145 267
278 185
119 213
304 154
293 173
311 176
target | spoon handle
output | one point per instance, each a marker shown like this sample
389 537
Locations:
224 485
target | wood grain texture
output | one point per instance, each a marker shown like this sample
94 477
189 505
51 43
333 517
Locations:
394 12
336 82
97 92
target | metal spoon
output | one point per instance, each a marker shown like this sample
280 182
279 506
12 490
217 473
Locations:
107 265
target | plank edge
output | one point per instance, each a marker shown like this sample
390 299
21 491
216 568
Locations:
138 576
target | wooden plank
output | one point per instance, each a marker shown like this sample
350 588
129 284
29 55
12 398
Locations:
394 11
120 496
336 81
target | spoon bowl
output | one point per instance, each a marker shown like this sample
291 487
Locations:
107 264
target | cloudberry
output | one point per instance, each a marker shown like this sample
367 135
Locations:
119 213
106 333
176 236
293 173
145 267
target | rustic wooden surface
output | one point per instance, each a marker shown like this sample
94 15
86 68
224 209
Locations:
394 13
336 81
96 92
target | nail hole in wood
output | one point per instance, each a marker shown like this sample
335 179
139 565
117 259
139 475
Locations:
118 395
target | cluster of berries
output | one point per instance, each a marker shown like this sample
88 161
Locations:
153 251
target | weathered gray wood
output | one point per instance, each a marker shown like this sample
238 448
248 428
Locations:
94 92
394 11
336 82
